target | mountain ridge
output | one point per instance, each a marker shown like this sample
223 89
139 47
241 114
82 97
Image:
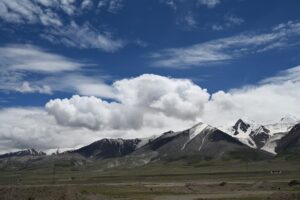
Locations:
200 140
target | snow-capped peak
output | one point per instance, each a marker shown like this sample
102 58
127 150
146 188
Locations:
278 131
289 119
247 132
194 131
261 136
242 128
284 125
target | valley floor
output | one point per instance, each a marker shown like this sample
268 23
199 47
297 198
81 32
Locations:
166 181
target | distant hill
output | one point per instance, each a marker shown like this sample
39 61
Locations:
23 153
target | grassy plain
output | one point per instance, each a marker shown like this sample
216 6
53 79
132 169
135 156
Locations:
186 180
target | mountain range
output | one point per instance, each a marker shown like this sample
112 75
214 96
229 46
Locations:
242 140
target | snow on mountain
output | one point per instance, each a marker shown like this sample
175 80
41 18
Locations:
144 141
169 134
284 125
278 131
271 144
261 136
194 131
241 130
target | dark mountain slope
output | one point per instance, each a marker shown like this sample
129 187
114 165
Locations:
108 148
289 145
201 140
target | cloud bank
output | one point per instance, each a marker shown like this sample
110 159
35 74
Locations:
146 105
181 99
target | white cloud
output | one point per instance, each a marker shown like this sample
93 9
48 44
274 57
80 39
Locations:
112 6
84 36
146 105
209 3
19 62
267 102
231 19
264 104
226 49
217 27
59 20
188 21
173 97
26 87
80 84
289 75
228 22
87 4
29 69
28 127
171 3
33 59
34 127
182 100
136 97
33 12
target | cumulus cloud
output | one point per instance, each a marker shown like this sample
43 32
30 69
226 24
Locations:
173 97
94 113
183 100
229 48
135 98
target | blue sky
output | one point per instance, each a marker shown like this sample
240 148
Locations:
219 52
135 31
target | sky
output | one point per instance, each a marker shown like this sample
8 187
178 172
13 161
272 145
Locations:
76 71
